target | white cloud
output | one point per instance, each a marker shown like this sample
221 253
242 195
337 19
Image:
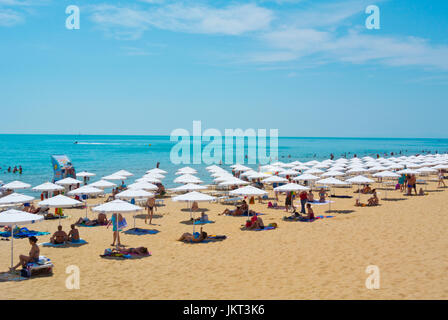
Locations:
231 20
9 18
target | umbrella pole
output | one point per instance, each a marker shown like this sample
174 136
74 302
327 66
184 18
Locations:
329 200
12 246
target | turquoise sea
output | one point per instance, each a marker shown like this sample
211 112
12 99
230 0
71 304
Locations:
104 155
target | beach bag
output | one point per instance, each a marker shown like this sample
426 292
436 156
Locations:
270 204
397 186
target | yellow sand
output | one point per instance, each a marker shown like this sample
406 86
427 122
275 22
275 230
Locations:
325 259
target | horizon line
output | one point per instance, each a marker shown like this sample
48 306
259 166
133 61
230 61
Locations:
165 135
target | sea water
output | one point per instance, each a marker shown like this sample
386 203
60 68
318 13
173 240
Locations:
104 155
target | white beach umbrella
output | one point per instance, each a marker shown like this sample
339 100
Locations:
187 178
60 201
143 186
114 177
408 171
135 194
288 172
188 187
15 198
16 185
240 168
291 187
12 218
154 175
123 173
259 175
68 182
386 175
117 206
332 174
233 182
426 170
274 179
149 179
88 191
192 197
329 182
306 177
84 174
103 184
186 170
48 187
156 170
358 180
301 168
313 171
248 191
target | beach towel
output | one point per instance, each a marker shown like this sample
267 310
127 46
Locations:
210 238
55 217
108 254
305 220
67 244
11 276
203 222
264 229
23 233
141 232
317 203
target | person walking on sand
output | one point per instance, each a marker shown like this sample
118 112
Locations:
303 200
114 221
440 176
150 204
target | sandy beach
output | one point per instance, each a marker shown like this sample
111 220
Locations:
325 259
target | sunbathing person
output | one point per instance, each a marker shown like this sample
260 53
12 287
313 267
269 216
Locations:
59 237
309 212
237 212
138 251
373 201
254 223
203 218
194 206
322 194
310 196
32 257
196 237
73 235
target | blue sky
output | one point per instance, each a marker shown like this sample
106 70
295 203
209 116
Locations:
307 68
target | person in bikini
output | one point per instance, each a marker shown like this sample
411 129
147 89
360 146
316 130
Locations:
32 257
73 235
150 204
197 237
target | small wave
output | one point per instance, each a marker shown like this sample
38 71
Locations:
97 143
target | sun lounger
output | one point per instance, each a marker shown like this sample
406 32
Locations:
43 266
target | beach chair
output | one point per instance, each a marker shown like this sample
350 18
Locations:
43 266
